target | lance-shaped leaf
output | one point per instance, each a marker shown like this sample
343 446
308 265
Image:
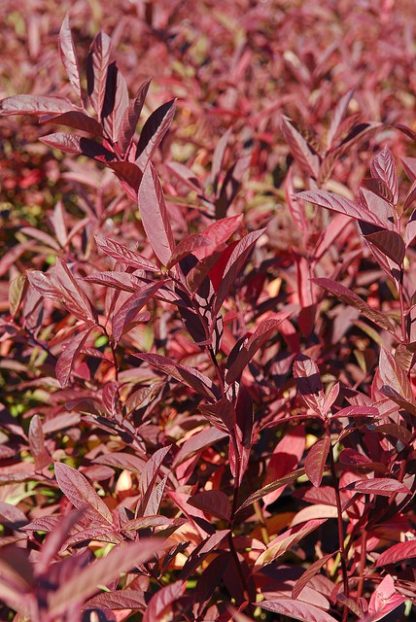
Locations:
66 360
68 56
384 486
155 216
121 253
35 104
309 385
337 117
121 599
265 490
316 460
128 173
161 602
56 539
301 150
37 443
390 243
309 574
217 234
87 581
394 377
338 203
116 102
235 265
264 331
384 168
77 146
97 65
297 610
402 551
213 502
350 298
81 494
191 377
148 478
126 315
124 281
153 132
282 543
188 246
76 119
131 117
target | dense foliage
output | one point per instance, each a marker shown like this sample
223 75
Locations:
208 311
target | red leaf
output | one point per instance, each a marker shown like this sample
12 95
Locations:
384 486
383 167
153 132
213 502
350 298
301 150
87 581
67 359
188 246
81 494
316 460
68 56
35 104
309 385
37 443
155 216
76 119
97 65
131 117
296 610
121 253
261 335
162 601
338 203
309 574
124 318
397 553
235 265
390 243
